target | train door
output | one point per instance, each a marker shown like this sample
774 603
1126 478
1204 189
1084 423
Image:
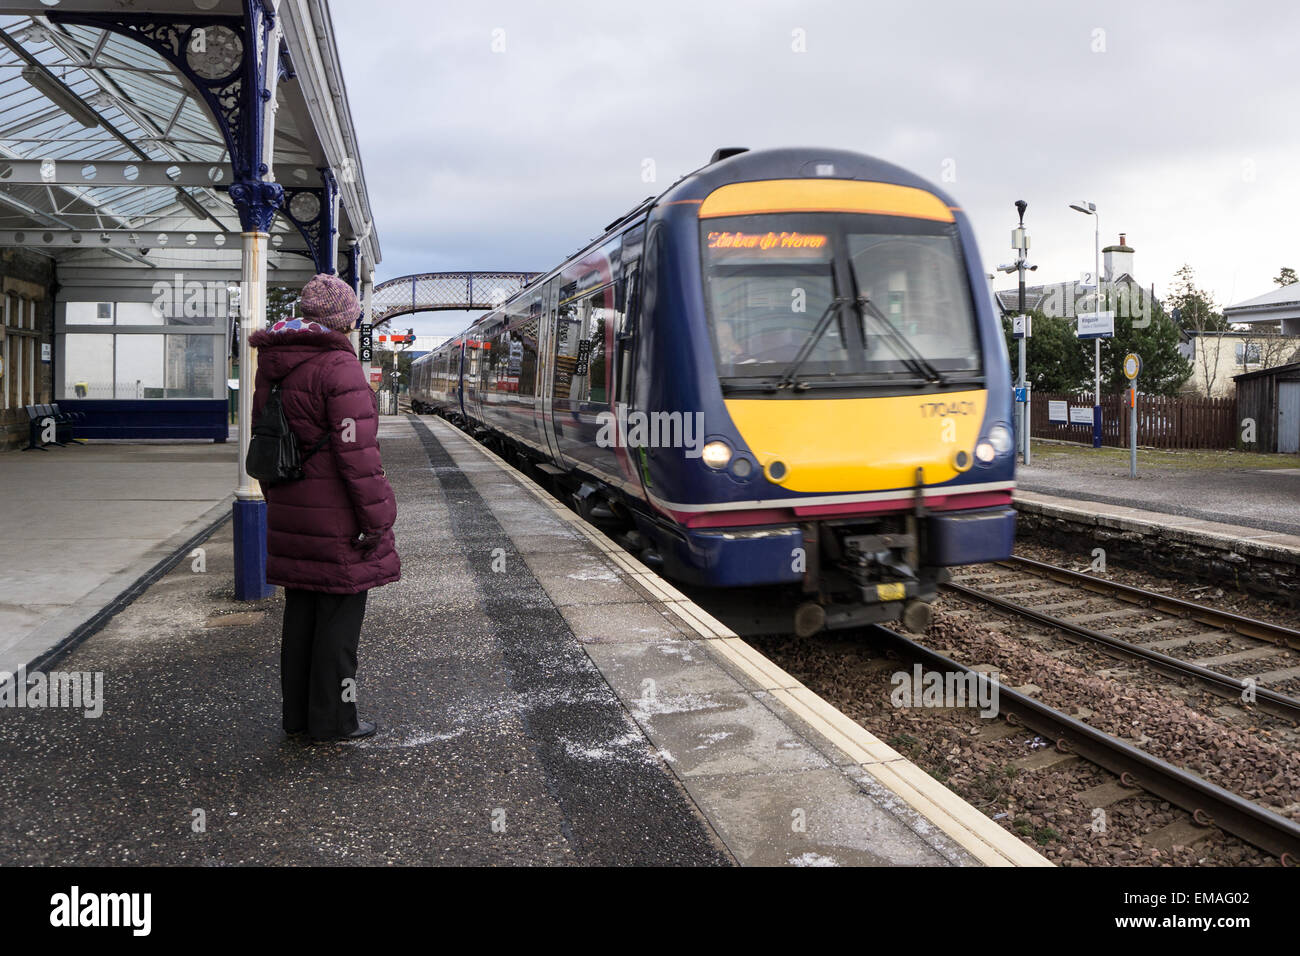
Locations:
624 358
546 371
460 380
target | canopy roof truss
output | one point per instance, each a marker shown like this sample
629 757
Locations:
109 153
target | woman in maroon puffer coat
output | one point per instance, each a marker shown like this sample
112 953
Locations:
329 536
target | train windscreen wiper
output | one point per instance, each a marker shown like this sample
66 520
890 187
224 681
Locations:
911 355
823 323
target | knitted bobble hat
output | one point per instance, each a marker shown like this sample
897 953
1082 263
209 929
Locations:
330 301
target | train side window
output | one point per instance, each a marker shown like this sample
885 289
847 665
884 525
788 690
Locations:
625 333
582 343
527 346
496 348
601 321
568 342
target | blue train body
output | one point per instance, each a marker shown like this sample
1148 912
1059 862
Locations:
785 372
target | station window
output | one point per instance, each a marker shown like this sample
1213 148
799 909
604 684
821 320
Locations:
87 365
138 313
89 313
140 366
21 348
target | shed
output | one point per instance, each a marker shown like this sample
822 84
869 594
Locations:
1271 398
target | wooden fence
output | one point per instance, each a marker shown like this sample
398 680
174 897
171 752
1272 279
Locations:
1162 422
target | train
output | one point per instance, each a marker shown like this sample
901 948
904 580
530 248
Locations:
783 376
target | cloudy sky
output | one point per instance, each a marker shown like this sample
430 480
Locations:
503 135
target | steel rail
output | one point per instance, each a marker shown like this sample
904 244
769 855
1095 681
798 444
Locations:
1228 621
1209 804
1232 687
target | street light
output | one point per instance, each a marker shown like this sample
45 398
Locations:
1020 243
1090 209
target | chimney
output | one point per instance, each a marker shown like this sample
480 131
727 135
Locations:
1117 260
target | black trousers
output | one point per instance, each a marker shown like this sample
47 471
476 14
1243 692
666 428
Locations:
318 661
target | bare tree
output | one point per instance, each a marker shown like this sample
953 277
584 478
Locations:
1198 314
1264 346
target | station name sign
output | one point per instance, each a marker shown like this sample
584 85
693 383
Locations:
1096 325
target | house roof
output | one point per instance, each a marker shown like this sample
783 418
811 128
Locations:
1266 307
1293 367
1009 299
1255 336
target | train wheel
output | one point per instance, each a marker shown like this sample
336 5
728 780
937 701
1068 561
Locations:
916 616
809 618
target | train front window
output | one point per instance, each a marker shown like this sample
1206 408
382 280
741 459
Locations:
766 291
921 301
883 299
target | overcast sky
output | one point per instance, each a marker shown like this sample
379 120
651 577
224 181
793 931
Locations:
1178 120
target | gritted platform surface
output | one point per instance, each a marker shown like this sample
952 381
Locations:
79 525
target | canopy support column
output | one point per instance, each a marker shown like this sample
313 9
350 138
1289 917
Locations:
249 509
257 198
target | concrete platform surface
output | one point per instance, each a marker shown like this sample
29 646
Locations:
543 698
78 525
1204 486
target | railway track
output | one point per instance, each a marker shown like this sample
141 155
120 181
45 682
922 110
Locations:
1208 803
1250 639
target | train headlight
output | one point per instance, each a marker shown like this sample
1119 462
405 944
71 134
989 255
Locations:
998 441
716 454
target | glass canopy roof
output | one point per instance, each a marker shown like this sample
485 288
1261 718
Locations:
127 105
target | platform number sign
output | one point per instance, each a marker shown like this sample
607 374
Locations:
366 345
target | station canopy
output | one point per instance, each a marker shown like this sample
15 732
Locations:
113 164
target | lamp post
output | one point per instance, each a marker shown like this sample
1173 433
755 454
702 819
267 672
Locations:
1020 241
1090 209
1021 328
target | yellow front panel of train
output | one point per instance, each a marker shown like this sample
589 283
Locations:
862 444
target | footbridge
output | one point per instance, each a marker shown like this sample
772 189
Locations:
444 291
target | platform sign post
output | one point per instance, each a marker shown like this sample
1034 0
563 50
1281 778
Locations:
1022 327
366 344
1132 368
1096 326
